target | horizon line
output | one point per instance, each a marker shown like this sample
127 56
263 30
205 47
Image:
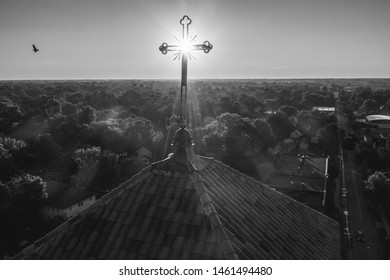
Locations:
196 79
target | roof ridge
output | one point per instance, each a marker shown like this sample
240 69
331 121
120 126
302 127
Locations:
215 221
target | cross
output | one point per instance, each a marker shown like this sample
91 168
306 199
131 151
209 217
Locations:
184 50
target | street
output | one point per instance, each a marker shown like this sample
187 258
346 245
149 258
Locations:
363 215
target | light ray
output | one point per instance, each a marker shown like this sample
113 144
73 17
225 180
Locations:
195 118
177 55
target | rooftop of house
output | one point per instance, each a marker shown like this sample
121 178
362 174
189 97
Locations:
372 118
67 198
295 182
325 109
191 207
311 166
303 173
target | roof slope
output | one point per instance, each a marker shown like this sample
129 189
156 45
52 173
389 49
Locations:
203 210
265 224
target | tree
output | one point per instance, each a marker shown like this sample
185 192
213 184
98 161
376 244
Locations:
97 170
45 150
281 125
328 139
349 142
233 131
378 184
290 111
309 122
364 93
104 100
141 132
26 193
9 149
52 108
131 97
369 106
65 130
316 99
262 137
251 103
225 104
87 161
272 104
69 108
87 115
12 144
108 173
21 200
296 97
10 113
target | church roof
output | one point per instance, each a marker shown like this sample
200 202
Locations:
199 210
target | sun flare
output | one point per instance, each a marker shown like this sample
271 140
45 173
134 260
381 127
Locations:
185 46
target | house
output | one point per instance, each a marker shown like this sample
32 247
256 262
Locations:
329 110
191 207
303 178
68 203
380 122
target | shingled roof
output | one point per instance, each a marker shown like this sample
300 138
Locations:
191 207
291 172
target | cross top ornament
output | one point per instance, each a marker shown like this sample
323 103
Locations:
184 50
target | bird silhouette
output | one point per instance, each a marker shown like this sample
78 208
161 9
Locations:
35 48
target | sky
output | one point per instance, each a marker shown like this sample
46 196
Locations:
119 39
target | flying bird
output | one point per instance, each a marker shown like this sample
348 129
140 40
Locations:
35 48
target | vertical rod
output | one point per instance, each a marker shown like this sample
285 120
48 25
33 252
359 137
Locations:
184 66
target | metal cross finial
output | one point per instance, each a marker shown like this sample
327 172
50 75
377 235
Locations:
183 51
185 21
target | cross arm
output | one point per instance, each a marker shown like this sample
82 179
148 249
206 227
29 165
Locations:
206 47
164 48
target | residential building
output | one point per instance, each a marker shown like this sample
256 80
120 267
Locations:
301 177
68 203
380 122
329 110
